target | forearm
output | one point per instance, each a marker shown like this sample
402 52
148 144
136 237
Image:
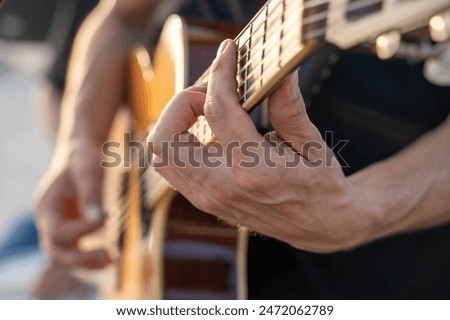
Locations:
96 74
412 189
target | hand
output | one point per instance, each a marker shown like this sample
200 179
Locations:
311 205
68 205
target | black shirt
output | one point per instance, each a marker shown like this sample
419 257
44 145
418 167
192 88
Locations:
380 107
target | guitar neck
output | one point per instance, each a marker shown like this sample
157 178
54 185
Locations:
286 32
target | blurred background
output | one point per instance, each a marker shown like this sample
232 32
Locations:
30 32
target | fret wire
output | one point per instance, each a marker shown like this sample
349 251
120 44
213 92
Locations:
292 19
308 5
271 48
282 31
264 42
319 32
257 42
275 20
259 26
272 62
351 7
271 66
248 59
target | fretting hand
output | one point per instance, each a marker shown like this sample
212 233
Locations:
311 205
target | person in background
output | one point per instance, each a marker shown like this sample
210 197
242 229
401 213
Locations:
57 281
378 228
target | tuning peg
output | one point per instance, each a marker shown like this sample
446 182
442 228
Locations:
437 69
387 44
440 26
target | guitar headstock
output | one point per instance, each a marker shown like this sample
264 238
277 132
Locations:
383 24
351 22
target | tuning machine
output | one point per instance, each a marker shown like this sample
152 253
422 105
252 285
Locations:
439 26
437 69
387 44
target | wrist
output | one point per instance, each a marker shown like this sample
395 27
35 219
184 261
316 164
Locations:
77 146
370 212
79 131
373 204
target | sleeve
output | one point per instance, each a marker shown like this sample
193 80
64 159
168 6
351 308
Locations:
70 16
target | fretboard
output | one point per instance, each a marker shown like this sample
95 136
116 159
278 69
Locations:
274 42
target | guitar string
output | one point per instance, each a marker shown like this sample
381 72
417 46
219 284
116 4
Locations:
262 45
266 52
316 17
243 76
274 64
156 181
309 5
314 33
367 4
117 225
274 29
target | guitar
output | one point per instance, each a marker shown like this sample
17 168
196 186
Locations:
166 248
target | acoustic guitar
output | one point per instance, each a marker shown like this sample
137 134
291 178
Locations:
167 249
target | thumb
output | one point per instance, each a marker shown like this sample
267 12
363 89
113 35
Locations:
288 117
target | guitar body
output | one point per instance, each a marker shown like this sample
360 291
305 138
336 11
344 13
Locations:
164 248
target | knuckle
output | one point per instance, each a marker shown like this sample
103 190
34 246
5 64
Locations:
213 111
217 65
183 95
248 182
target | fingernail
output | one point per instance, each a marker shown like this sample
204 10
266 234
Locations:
222 47
92 213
